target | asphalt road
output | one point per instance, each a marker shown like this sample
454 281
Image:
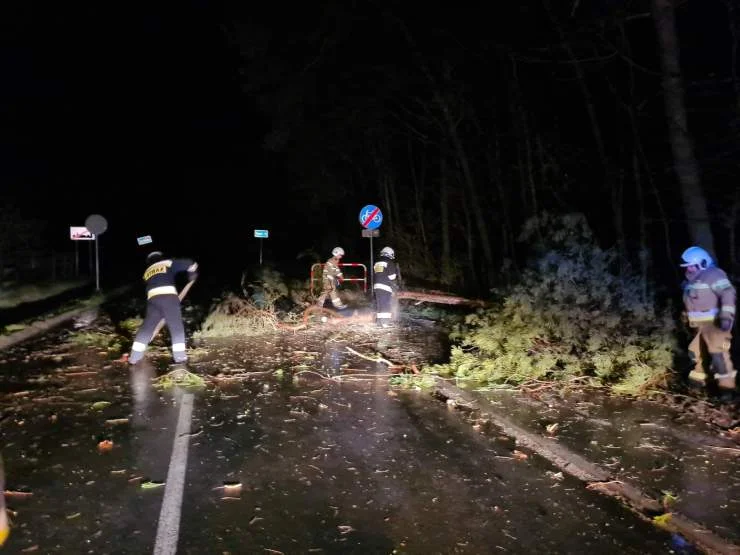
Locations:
325 465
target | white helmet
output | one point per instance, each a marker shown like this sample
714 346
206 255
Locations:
696 256
388 253
338 251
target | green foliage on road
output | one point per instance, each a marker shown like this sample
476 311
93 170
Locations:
236 316
573 315
131 325
111 342
179 378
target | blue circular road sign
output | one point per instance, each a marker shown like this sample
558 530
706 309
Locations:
371 217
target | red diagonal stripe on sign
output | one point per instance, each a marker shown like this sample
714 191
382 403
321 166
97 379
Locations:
371 216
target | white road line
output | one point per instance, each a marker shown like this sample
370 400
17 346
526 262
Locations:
168 528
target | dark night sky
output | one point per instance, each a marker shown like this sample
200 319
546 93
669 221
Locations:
119 109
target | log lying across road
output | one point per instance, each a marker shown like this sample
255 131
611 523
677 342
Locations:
439 297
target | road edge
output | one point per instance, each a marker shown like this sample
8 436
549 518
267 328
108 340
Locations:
594 477
37 328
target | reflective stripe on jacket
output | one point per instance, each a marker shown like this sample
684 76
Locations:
332 272
707 295
385 274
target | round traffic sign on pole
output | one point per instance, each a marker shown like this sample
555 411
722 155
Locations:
371 217
96 223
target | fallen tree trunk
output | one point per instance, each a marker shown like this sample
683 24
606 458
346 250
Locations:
439 297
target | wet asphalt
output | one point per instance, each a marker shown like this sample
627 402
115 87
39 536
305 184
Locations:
329 457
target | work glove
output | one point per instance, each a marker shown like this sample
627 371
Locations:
725 324
193 271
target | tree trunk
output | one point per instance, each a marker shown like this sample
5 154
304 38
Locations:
656 194
418 183
388 198
499 198
530 164
639 159
393 212
470 243
733 17
444 221
519 124
617 202
581 78
451 127
506 207
732 234
642 252
684 160
467 176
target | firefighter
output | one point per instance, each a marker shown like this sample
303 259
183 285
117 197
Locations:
4 524
163 302
386 280
331 277
709 300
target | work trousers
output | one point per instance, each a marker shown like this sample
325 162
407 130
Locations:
711 340
383 307
330 291
160 307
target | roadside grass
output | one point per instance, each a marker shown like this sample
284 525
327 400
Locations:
91 301
16 294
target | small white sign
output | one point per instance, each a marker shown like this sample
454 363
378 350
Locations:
261 233
145 240
80 233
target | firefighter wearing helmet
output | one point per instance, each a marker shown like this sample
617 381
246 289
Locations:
386 279
163 303
709 300
331 277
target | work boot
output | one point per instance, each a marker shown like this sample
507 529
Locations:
135 357
697 377
726 382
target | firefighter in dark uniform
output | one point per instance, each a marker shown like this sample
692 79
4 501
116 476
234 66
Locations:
163 302
385 273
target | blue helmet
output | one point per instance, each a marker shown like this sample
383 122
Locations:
696 256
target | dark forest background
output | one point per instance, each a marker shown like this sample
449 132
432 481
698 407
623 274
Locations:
461 121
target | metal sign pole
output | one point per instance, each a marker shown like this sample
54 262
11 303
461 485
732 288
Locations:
77 259
372 271
97 225
261 234
97 265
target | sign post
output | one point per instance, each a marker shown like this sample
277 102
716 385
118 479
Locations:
79 233
370 218
97 224
261 234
